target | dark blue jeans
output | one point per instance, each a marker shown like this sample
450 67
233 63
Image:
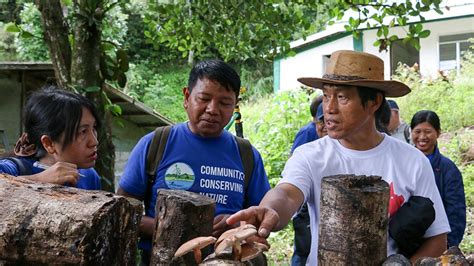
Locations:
298 260
302 242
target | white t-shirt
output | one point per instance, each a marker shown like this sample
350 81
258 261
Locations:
402 166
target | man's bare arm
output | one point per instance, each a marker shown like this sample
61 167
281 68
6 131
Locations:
274 212
285 199
433 247
147 224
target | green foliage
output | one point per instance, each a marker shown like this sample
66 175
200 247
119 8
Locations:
232 30
114 64
160 85
281 243
272 132
30 45
467 170
439 95
468 178
257 80
159 88
139 47
454 145
467 244
135 43
241 30
384 15
114 25
7 44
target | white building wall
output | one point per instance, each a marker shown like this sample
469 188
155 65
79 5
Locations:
429 54
309 63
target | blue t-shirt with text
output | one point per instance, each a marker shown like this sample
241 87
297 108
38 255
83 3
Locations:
208 166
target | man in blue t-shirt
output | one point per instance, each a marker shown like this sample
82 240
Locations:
201 151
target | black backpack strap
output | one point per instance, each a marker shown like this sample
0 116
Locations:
23 168
246 155
154 156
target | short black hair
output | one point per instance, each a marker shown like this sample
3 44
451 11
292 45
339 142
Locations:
313 108
366 94
381 123
426 116
216 70
53 112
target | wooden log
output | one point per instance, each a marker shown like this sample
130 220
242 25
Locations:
180 216
353 221
51 224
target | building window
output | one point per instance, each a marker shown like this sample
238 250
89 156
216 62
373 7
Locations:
451 51
401 53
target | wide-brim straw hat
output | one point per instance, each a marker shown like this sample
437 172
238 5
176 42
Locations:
357 69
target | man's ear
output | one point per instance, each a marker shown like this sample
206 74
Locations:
377 102
48 144
186 94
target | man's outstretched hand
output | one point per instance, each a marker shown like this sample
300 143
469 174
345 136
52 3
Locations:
264 218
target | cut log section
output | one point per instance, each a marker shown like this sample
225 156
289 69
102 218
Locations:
353 221
180 216
51 224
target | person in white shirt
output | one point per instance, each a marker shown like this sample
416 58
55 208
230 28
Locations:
354 90
396 127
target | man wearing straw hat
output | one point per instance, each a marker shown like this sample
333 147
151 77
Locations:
354 91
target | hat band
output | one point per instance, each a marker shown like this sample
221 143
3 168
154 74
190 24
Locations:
341 77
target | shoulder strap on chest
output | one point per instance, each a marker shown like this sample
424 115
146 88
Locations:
154 156
156 150
246 155
23 168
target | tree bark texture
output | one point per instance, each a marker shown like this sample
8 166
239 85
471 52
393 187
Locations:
78 66
87 45
353 221
51 224
106 149
180 216
56 36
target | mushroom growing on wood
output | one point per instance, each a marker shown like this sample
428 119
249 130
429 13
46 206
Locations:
233 238
252 250
195 245
231 232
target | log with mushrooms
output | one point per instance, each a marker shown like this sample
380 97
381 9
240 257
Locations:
231 245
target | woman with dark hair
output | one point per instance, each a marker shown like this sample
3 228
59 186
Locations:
425 130
59 145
